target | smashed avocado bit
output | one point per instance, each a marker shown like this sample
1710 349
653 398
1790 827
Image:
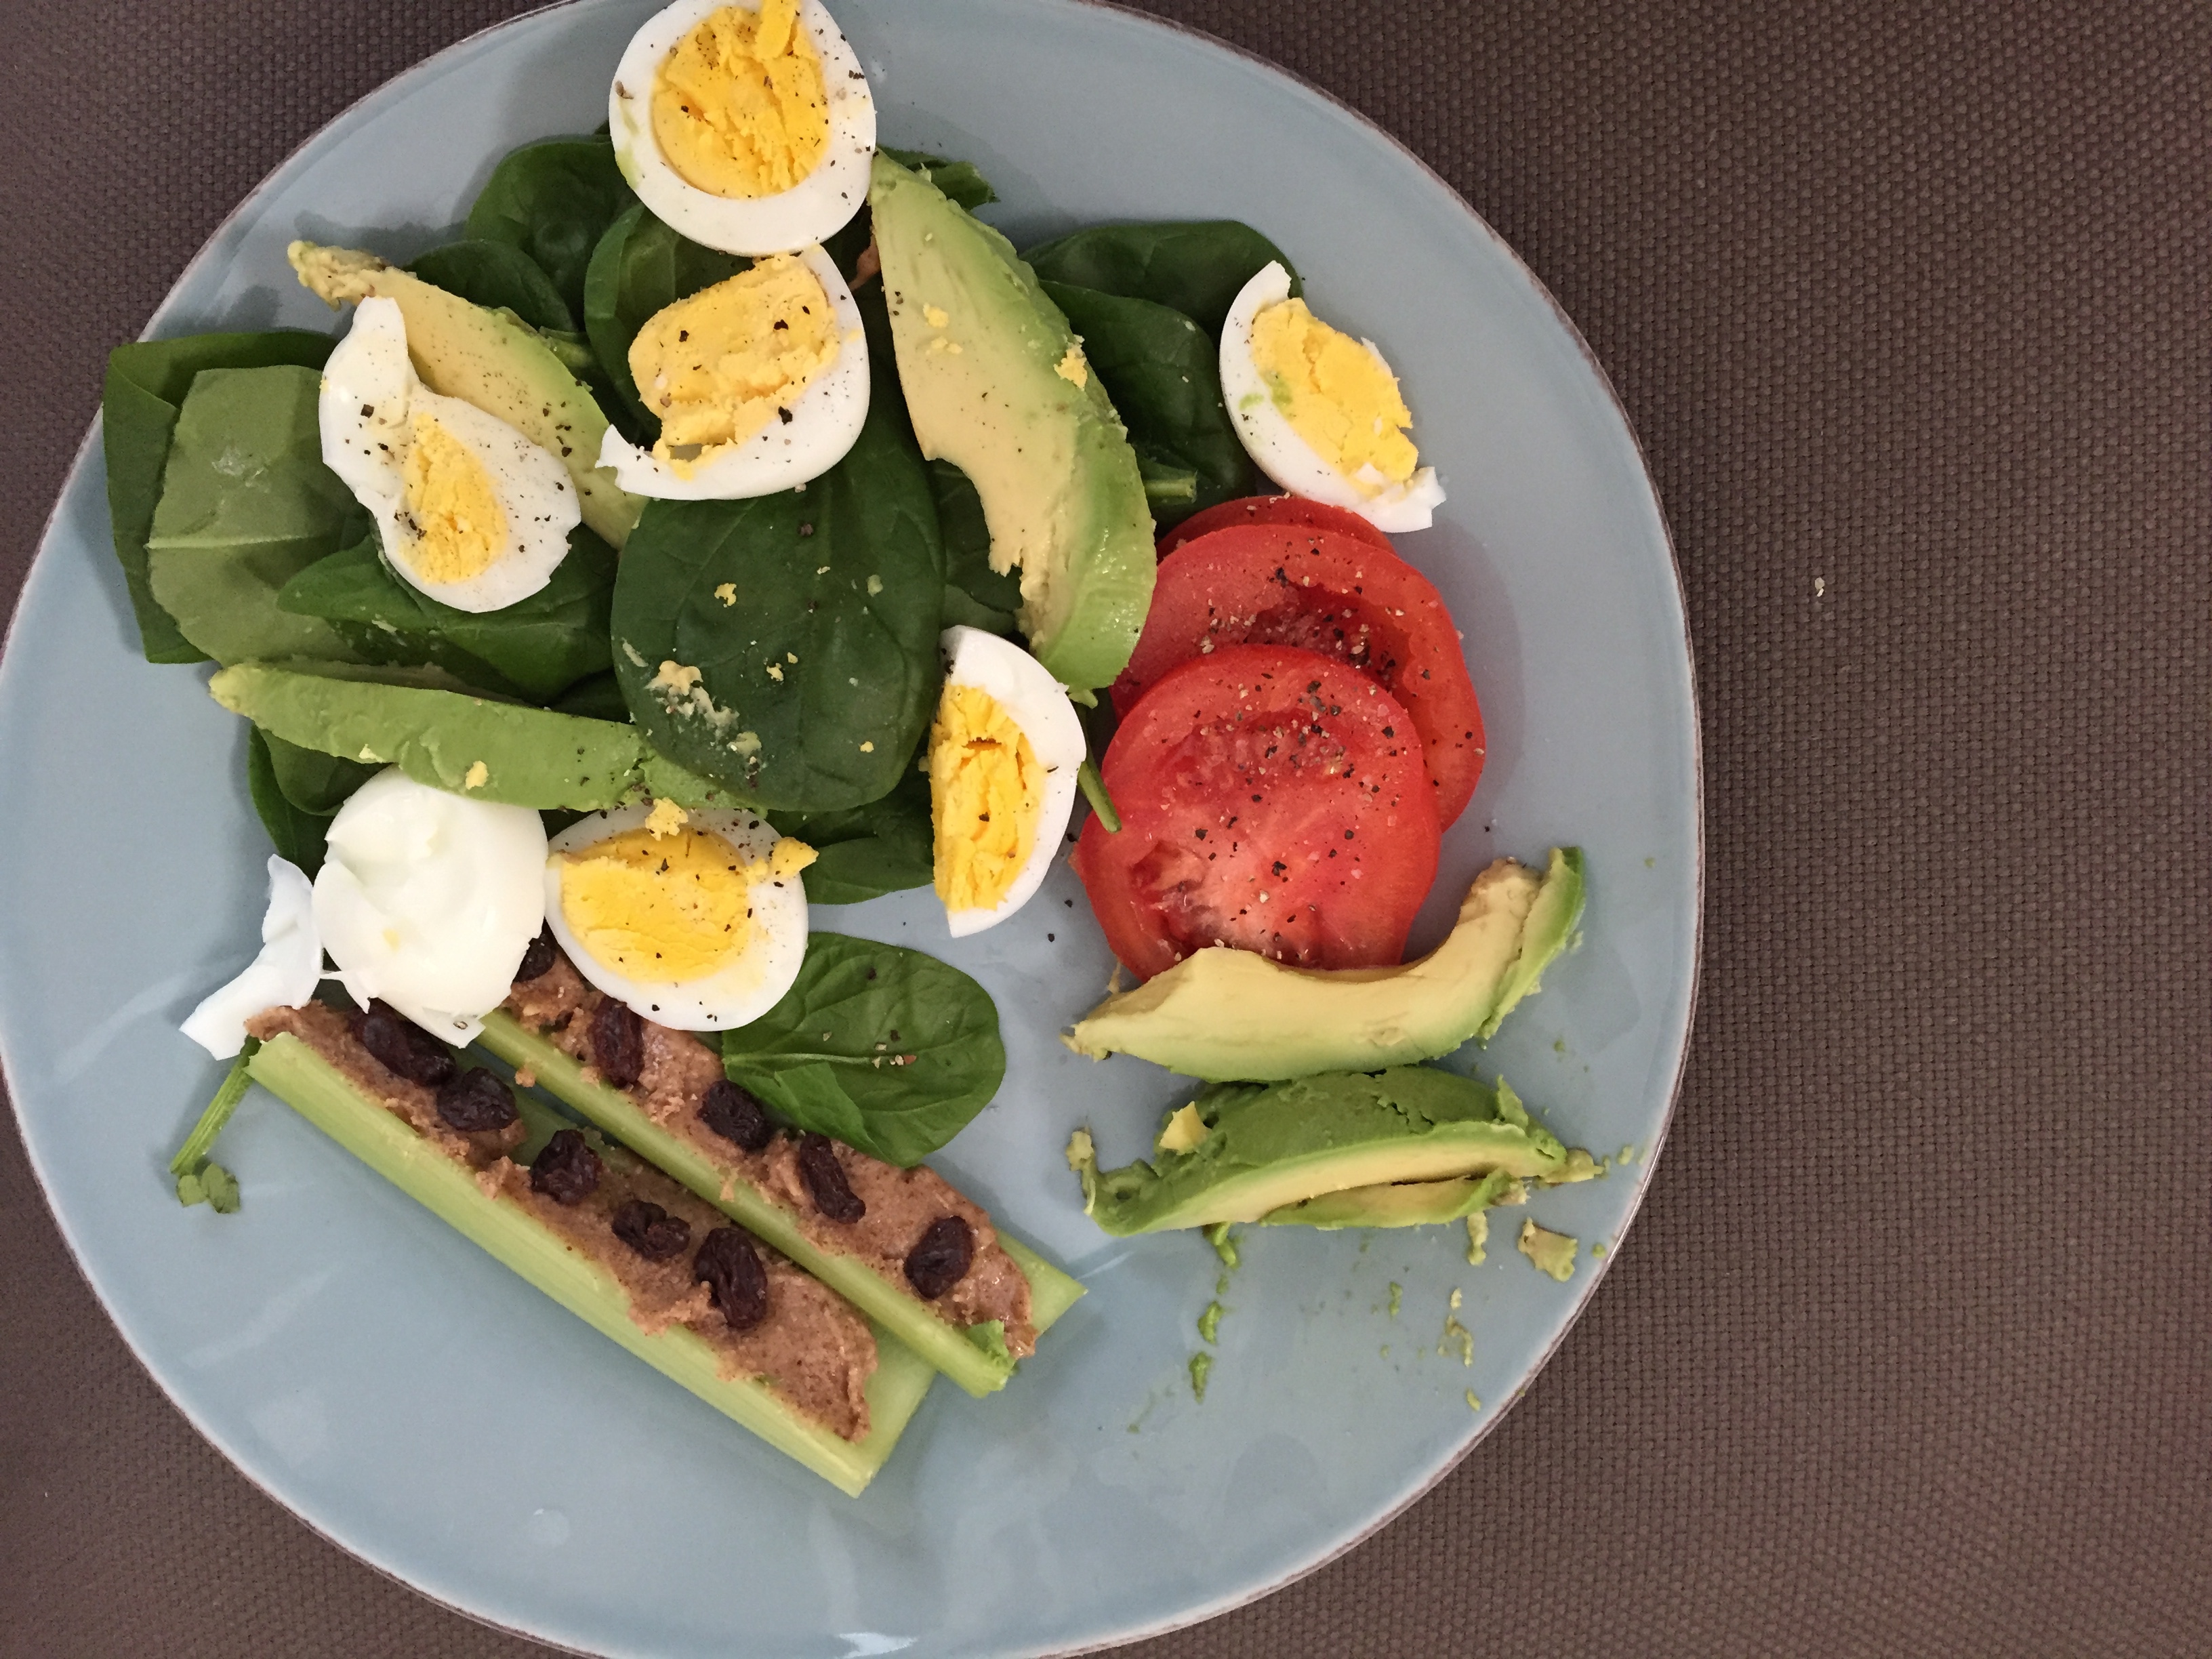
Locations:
1209 1322
1223 1245
1184 1130
1397 1294
1201 1366
1548 1252
1473 1404
1457 1336
1478 1238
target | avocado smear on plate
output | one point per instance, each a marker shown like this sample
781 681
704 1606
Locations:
1222 1013
1267 1148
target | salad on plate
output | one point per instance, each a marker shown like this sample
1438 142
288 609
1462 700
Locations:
732 522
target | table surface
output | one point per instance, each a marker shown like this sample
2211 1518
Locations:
1906 1353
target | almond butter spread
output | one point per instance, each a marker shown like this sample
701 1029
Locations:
901 1204
810 1346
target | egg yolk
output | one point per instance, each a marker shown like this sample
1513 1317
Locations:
986 793
659 909
739 108
1336 393
718 367
449 502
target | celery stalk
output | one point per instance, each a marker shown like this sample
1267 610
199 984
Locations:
293 1071
913 1321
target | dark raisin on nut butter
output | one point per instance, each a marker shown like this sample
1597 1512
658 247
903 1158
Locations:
825 1180
736 1114
729 1268
651 1231
475 1100
537 958
617 1043
401 1047
567 1171
940 1261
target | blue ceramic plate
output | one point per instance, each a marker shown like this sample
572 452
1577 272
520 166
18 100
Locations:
409 1399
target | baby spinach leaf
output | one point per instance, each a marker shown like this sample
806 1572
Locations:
298 835
1193 266
539 646
496 275
596 696
785 646
882 1048
960 181
146 385
554 200
640 266
968 548
247 504
313 783
865 852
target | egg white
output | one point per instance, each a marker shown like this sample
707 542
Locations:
1038 704
283 975
1275 444
370 395
731 996
812 210
825 421
427 900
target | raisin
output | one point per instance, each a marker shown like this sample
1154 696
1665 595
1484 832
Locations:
537 958
475 1100
617 1042
940 1261
567 1171
651 1231
401 1047
825 1180
736 1114
731 1269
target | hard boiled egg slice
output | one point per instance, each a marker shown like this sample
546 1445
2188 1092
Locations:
469 511
1003 755
283 975
747 126
1318 411
427 900
760 383
696 920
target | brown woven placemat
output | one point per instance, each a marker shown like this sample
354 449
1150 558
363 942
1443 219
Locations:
1908 302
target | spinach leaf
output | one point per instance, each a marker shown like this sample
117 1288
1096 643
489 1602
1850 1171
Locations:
640 267
554 200
299 835
1195 266
882 1048
497 275
539 646
247 504
596 696
960 181
785 646
313 782
146 385
1171 489
967 538
865 852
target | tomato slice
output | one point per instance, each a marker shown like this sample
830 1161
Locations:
1271 799
1274 509
1284 584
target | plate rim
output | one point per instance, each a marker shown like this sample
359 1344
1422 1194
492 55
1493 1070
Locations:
1203 1612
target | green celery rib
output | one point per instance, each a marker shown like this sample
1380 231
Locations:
1052 1292
299 1077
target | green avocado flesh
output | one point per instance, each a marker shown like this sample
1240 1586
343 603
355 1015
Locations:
1397 1204
247 504
1268 1146
491 359
1222 1014
975 1359
319 1092
996 383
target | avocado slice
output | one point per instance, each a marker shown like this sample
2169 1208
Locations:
442 733
1267 1147
1222 1014
1397 1204
996 383
491 359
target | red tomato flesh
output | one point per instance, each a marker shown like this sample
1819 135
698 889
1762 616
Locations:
1273 509
1283 585
1271 799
